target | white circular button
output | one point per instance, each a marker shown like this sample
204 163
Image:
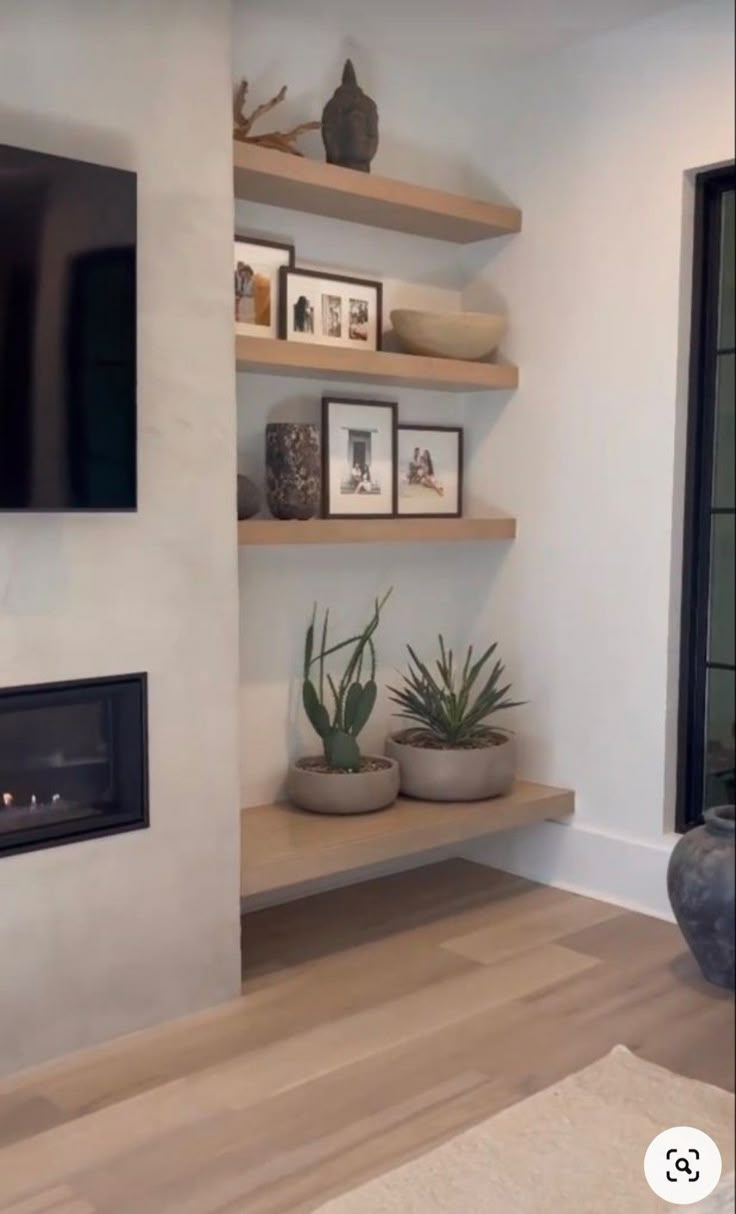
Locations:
682 1165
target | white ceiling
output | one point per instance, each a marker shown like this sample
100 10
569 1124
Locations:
502 31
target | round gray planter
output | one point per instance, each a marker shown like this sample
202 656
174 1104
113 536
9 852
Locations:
700 883
361 792
455 775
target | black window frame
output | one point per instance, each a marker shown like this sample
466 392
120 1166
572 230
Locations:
711 185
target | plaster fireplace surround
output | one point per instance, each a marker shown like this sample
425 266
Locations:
73 761
109 935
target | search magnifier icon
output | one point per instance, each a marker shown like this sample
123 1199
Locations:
682 1165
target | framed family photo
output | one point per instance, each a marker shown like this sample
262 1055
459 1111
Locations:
429 471
257 285
358 458
330 310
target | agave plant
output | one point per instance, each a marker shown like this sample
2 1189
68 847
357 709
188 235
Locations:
353 701
443 708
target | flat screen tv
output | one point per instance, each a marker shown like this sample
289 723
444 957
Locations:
67 334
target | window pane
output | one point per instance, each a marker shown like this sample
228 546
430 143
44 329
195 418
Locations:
721 643
719 738
724 467
727 307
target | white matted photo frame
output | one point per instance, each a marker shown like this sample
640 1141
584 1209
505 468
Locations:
358 458
257 284
429 471
325 309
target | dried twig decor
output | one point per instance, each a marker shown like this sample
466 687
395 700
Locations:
280 141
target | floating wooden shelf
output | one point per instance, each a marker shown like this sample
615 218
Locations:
262 175
262 532
281 846
270 356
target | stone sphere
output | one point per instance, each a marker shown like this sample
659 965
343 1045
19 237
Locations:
249 498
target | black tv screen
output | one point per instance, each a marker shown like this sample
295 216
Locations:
67 334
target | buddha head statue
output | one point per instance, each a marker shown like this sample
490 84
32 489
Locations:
350 125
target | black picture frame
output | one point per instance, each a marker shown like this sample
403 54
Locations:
326 276
284 246
281 247
393 408
405 427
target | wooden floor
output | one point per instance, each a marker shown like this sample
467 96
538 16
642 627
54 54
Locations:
376 1021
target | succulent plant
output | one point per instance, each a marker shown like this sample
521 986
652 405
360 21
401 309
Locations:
443 710
353 701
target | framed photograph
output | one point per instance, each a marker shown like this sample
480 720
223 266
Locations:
257 285
330 310
358 458
429 471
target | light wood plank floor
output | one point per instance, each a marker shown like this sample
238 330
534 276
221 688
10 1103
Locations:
375 1022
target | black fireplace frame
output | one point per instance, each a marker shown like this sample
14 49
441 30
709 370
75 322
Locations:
110 822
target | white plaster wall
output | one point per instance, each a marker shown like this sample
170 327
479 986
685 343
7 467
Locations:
424 95
598 144
425 136
109 935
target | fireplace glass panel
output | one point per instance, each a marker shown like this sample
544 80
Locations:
72 761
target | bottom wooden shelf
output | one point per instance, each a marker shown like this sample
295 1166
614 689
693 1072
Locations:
282 846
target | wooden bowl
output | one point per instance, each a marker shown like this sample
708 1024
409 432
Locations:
464 335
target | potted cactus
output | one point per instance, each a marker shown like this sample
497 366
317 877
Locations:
342 780
451 752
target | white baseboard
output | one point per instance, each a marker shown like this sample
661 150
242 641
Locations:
629 872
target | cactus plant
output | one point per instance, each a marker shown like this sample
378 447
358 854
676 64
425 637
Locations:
353 701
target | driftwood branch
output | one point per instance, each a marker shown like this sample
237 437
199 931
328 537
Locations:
281 141
266 108
239 99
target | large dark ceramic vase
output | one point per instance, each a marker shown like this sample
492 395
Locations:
700 882
293 470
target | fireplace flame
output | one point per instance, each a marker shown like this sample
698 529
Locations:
9 801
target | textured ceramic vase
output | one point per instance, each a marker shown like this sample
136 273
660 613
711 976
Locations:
293 470
249 499
454 775
362 792
700 883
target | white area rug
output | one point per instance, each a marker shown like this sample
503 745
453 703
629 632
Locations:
722 1201
576 1148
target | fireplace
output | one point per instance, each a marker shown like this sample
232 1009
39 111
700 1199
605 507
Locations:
73 761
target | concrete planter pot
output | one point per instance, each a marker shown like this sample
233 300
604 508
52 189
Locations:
700 883
454 775
361 792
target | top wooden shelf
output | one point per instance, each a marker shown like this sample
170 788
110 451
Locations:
262 175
